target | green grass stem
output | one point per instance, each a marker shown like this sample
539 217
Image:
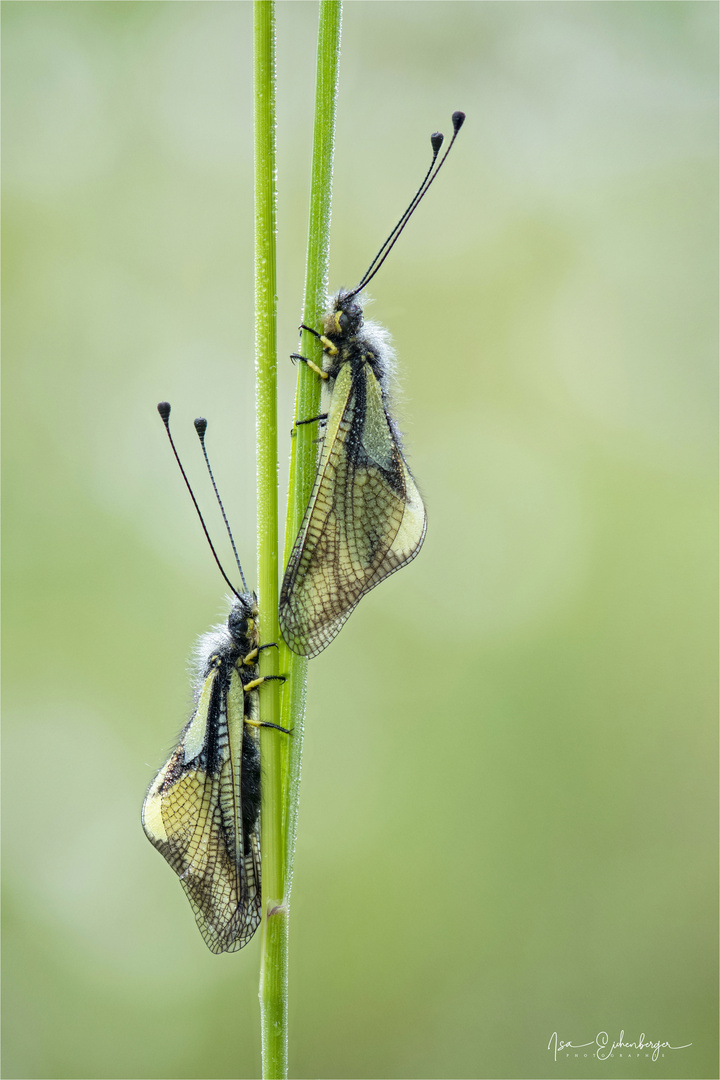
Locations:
281 754
303 453
273 972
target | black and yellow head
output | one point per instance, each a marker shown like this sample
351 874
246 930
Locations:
344 319
243 620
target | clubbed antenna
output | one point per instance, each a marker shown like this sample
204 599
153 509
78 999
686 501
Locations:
201 428
436 140
164 410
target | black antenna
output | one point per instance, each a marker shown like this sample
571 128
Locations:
436 141
201 428
164 410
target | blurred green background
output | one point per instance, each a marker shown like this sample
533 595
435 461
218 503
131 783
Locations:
507 823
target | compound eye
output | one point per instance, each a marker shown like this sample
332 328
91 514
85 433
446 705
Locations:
238 624
343 321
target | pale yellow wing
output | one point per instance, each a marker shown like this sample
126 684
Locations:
365 518
192 817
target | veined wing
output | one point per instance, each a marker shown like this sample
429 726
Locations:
192 816
365 518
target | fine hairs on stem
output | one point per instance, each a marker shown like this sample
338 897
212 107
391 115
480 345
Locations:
286 705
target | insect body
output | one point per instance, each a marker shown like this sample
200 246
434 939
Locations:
202 811
365 518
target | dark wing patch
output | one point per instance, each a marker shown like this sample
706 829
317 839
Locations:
365 518
191 816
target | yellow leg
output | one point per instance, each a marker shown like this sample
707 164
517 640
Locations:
259 723
328 345
318 370
253 686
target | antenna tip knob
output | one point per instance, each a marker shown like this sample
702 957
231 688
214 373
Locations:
164 410
458 119
436 141
201 426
